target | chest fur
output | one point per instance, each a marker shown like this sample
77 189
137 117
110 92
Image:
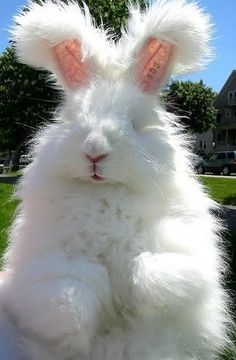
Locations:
97 226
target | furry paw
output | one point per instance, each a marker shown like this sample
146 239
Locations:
144 285
168 279
56 299
65 310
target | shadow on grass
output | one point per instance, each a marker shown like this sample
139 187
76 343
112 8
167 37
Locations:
230 200
9 179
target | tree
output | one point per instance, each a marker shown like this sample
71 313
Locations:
194 102
25 99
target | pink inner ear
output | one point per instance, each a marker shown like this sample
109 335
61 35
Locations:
153 61
73 69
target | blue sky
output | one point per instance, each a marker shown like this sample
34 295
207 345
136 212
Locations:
224 17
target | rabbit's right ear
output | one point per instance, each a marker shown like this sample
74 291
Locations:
170 37
61 39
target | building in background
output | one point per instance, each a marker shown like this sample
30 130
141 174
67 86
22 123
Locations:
204 143
225 130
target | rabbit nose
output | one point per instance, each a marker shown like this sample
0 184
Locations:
95 147
95 158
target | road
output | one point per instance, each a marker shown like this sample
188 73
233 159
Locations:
230 216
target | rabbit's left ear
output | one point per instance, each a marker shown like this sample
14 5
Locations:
171 37
60 38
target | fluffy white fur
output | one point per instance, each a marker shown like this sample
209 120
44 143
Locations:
177 22
127 268
52 23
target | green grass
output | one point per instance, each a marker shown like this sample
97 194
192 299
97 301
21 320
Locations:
7 209
221 190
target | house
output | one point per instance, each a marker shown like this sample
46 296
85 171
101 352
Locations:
225 130
204 142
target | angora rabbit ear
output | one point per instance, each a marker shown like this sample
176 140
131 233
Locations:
170 38
60 38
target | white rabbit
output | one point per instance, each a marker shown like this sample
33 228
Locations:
114 253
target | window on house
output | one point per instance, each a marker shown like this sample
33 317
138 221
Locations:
205 145
232 97
218 118
200 144
228 113
221 136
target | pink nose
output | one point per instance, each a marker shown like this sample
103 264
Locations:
95 158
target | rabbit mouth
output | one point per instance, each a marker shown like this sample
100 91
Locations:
97 177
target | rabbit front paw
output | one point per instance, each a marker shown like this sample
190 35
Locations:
145 284
63 310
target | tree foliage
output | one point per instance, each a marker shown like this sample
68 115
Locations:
25 99
194 102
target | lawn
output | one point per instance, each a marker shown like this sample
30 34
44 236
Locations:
7 209
222 190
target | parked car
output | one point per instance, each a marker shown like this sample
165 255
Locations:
220 162
24 160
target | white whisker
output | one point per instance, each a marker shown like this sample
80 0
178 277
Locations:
157 166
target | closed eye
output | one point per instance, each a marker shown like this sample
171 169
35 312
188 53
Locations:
138 125
134 125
